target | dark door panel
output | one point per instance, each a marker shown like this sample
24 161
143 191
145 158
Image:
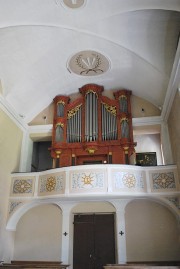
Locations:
104 240
93 241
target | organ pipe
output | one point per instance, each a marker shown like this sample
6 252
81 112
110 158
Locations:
109 123
91 124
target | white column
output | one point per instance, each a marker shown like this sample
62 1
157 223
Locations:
66 232
166 144
26 153
120 230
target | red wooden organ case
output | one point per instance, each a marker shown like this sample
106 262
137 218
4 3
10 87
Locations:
92 129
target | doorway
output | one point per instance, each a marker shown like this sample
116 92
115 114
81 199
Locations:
94 241
41 157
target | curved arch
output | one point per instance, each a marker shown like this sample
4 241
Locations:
118 9
160 200
151 228
93 203
89 33
16 216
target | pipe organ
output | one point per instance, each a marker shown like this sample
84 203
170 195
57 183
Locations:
92 129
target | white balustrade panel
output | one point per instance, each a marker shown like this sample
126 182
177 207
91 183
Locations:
97 180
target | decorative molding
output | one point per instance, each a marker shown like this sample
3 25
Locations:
147 121
51 184
35 129
73 111
22 186
88 180
91 180
163 181
73 4
128 181
13 205
88 63
175 200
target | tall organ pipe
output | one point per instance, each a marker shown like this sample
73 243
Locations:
75 135
102 113
80 122
90 117
94 118
91 124
86 117
109 124
96 112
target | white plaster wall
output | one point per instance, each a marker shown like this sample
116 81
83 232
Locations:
149 143
10 148
137 104
38 234
151 232
93 207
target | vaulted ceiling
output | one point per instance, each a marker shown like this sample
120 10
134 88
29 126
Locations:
128 44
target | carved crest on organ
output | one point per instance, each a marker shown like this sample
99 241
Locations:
92 121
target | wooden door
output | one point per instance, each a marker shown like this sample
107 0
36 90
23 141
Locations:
94 243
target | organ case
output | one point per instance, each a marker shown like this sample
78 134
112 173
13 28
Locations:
93 128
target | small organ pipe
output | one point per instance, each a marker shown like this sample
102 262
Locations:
67 131
76 127
87 121
108 125
80 121
104 120
71 131
90 117
77 140
102 113
111 129
96 113
94 117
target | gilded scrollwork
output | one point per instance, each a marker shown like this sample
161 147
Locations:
164 180
87 179
122 96
73 111
14 205
129 180
60 124
50 184
21 186
91 91
61 102
110 109
124 119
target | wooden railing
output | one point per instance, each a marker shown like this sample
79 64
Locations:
34 265
145 265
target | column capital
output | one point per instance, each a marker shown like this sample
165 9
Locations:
66 207
120 204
